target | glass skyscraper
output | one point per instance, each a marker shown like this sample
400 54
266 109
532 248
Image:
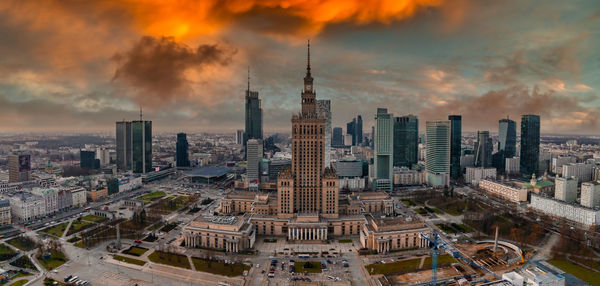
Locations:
483 150
530 144
123 145
384 149
455 145
182 157
437 159
359 130
253 115
351 130
337 139
406 141
507 137
141 133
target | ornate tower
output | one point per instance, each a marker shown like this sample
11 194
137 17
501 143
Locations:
308 187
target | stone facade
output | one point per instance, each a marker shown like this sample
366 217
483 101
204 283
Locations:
229 233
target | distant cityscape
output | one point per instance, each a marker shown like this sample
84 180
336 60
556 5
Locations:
391 206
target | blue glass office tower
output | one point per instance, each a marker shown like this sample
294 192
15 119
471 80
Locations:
182 158
406 141
455 145
507 137
530 144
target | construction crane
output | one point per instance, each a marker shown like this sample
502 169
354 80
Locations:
435 246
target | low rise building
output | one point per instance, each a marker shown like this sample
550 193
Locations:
64 199
406 177
385 234
50 196
79 196
98 194
509 193
474 175
229 233
570 211
27 206
5 212
352 184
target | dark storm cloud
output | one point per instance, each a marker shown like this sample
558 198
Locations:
559 112
158 66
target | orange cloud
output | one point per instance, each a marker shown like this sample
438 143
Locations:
183 19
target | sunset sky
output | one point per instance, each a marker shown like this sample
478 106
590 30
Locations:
82 65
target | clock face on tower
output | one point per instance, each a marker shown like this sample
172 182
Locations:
308 87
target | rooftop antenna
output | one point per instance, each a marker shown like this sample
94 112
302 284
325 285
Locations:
248 78
140 113
308 58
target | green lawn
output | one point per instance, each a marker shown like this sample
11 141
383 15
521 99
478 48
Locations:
444 259
93 218
129 260
23 262
219 268
6 252
23 243
56 230
79 225
20 282
446 228
398 266
136 251
151 196
409 203
56 259
582 273
169 259
315 267
421 211
345 241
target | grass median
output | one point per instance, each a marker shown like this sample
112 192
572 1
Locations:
219 268
171 259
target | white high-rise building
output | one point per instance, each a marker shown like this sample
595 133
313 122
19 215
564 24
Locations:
437 160
474 175
512 165
565 189
254 149
559 162
590 194
384 150
581 171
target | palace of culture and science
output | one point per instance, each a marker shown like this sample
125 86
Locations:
308 206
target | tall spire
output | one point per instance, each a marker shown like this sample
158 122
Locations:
140 113
308 58
248 78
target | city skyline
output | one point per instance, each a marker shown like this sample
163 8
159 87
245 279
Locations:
427 58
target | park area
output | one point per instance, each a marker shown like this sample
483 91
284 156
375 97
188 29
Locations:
149 197
582 273
52 259
23 262
23 243
56 230
407 265
135 251
6 252
308 267
219 268
171 259
129 260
